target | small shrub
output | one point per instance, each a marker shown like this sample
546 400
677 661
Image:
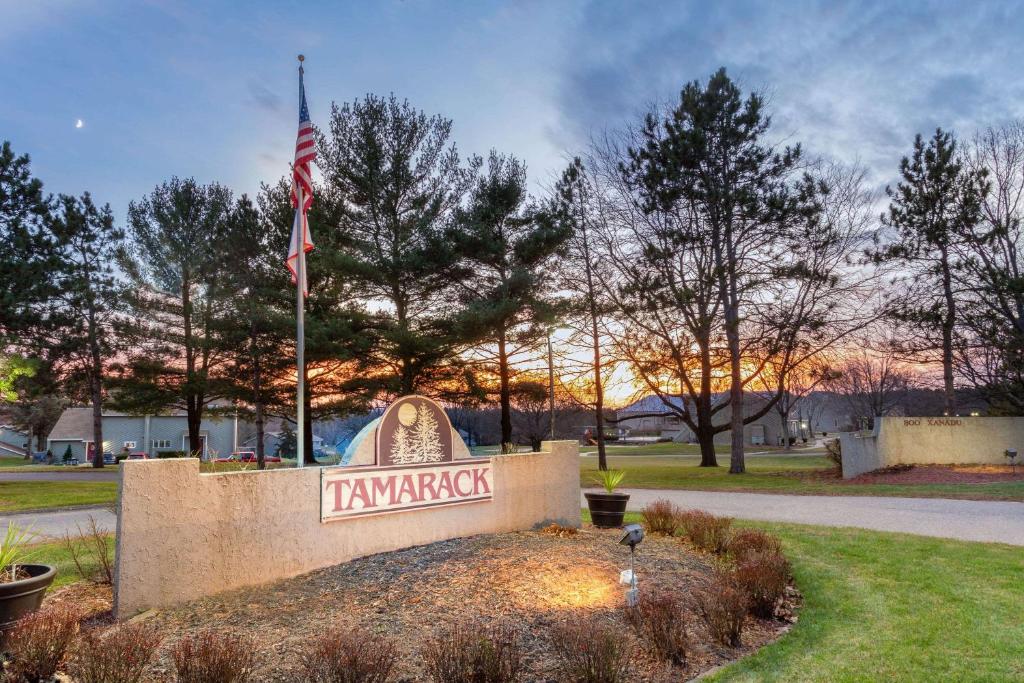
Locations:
471 655
38 642
92 555
706 531
722 606
661 517
834 452
590 652
211 657
555 529
763 576
119 656
349 656
746 541
660 621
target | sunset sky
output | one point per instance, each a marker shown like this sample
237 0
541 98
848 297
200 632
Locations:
114 97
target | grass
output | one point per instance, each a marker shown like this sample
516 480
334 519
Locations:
665 448
893 607
801 474
37 495
57 555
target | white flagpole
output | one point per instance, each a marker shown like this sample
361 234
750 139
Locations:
300 337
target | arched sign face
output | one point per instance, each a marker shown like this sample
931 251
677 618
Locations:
414 430
415 467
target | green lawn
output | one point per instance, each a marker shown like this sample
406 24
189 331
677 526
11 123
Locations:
779 474
56 554
33 495
893 607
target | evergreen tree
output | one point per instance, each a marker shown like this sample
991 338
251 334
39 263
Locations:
177 299
510 251
69 455
26 258
84 340
404 451
426 435
706 167
339 334
287 443
258 325
398 183
935 206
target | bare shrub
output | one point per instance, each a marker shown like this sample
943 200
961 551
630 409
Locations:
660 621
473 655
722 605
118 656
746 541
661 517
211 657
763 576
590 651
706 531
38 642
555 529
349 656
91 554
834 452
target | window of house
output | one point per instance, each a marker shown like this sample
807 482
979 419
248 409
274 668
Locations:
161 443
129 444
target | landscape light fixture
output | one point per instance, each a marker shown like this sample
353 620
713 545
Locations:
1011 453
632 534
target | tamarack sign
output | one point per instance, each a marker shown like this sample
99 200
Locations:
415 467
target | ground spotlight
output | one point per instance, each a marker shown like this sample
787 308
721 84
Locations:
632 534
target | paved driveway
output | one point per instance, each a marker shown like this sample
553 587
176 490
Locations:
967 520
50 525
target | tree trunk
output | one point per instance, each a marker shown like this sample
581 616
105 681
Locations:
602 457
97 419
784 417
504 396
706 441
194 418
736 461
948 321
257 393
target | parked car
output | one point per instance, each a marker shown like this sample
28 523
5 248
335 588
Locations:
108 458
226 458
139 455
250 456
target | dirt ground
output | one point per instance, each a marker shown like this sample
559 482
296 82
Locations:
533 580
940 474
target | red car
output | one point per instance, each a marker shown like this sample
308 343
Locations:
248 456
139 455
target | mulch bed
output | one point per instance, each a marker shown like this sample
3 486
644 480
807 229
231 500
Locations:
940 474
532 580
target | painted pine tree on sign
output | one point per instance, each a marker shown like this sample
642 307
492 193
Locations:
403 452
426 436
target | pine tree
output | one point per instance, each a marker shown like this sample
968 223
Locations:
510 249
398 183
89 295
177 297
932 210
287 444
426 435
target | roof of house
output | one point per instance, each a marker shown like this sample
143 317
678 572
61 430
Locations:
75 424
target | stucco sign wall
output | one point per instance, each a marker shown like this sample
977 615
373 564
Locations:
183 534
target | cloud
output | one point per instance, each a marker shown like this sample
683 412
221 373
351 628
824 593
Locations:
854 81
264 96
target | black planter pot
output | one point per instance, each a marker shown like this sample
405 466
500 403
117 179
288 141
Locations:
607 509
19 598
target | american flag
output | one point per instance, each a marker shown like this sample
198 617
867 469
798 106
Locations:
302 192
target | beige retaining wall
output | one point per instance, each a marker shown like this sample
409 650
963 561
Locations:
183 535
931 440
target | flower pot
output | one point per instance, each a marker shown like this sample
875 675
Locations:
607 509
24 596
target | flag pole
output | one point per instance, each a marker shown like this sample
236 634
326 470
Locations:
300 333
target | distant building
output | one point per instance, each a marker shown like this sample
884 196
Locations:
12 441
654 419
150 434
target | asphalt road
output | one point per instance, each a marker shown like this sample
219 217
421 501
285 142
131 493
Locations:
48 525
967 520
106 474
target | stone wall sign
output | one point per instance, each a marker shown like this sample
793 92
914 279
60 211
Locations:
415 467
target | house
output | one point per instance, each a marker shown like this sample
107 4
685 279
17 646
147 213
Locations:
12 441
150 434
